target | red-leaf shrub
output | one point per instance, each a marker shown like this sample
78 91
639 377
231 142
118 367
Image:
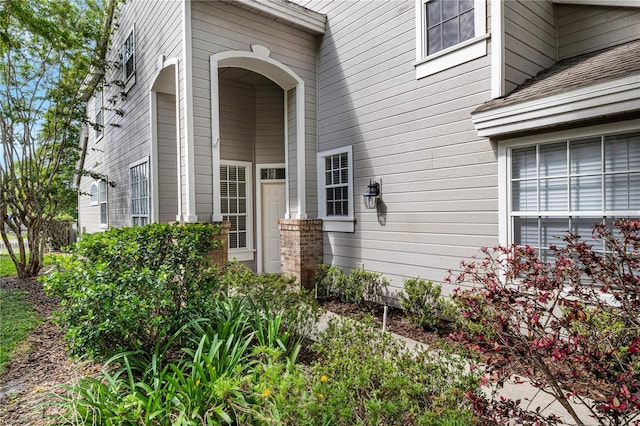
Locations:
571 325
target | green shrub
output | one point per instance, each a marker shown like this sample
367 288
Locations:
226 374
364 376
423 303
130 288
297 306
358 287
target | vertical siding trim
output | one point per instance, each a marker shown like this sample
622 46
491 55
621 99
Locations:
189 174
497 49
155 189
215 138
287 213
301 151
503 207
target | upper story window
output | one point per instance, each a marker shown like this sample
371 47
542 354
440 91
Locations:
449 33
335 189
129 60
99 114
572 185
448 23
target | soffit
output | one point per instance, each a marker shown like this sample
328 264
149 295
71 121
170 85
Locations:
286 12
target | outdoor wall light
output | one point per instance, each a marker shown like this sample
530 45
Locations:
371 195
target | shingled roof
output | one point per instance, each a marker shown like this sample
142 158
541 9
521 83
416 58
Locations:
573 73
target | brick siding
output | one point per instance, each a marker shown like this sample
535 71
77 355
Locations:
301 249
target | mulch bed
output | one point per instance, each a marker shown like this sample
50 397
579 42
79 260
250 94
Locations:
397 321
43 364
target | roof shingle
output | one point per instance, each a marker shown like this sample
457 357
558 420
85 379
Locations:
573 73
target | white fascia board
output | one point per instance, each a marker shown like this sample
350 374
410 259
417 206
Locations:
311 21
608 98
610 3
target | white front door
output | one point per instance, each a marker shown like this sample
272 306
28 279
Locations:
273 208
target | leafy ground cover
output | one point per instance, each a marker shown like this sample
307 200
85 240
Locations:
184 343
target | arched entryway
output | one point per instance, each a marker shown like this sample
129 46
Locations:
268 181
165 146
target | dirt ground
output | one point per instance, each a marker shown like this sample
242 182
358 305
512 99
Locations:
41 367
43 364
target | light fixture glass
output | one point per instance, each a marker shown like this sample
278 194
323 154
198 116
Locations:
371 195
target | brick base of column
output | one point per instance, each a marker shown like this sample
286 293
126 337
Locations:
301 249
220 255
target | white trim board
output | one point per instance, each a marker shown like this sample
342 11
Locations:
613 97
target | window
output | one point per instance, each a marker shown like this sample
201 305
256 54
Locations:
448 23
449 33
129 60
335 186
102 201
235 205
99 107
139 178
93 192
571 185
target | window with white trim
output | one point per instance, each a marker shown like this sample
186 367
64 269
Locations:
129 60
103 202
335 189
139 178
449 33
99 108
93 192
235 178
571 185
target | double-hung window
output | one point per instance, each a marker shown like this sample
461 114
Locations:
139 178
335 189
235 191
99 114
572 185
103 202
129 60
449 33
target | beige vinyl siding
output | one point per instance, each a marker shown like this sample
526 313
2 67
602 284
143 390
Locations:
237 111
127 138
219 27
583 29
530 40
167 158
269 134
439 180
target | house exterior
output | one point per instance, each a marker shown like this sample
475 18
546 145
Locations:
481 121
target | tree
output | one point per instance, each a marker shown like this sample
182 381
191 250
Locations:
48 49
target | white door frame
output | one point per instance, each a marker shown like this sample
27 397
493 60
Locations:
259 242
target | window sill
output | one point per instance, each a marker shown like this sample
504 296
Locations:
452 57
242 255
93 203
104 226
338 224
